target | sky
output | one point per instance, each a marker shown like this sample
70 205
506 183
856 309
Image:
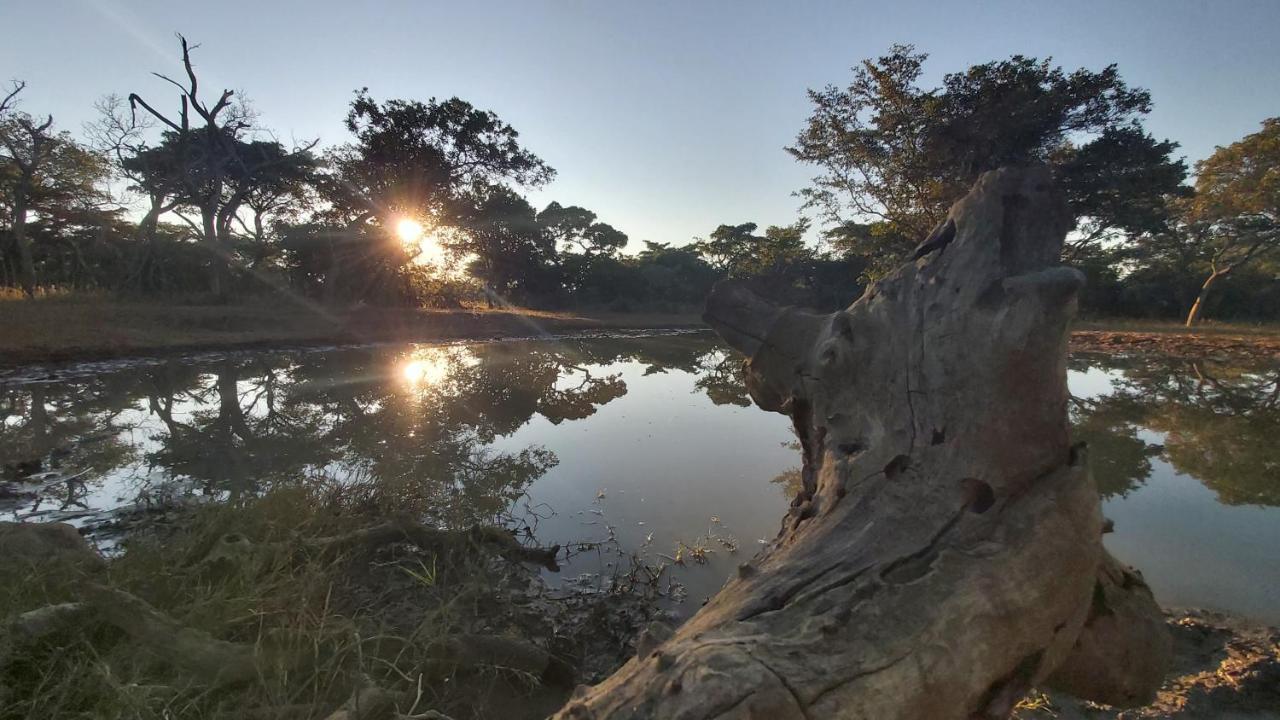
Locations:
665 118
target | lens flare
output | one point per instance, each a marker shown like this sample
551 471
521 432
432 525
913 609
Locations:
409 231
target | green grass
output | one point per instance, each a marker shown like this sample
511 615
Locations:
320 625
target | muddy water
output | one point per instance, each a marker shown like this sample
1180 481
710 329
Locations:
616 447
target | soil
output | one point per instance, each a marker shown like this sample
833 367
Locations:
1214 346
1225 668
52 332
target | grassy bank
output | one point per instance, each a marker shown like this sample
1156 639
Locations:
56 329
297 604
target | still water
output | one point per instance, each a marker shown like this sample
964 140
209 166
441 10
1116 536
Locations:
617 446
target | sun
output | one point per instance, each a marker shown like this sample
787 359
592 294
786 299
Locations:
424 247
424 370
409 231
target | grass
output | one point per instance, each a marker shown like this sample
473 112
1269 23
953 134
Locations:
60 327
419 624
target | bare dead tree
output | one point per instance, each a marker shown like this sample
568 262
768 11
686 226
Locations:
120 134
216 169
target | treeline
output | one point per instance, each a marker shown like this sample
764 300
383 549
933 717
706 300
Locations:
424 203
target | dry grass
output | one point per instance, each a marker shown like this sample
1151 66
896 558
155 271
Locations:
382 615
1177 328
60 327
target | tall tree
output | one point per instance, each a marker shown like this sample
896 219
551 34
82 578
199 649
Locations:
576 228
120 134
28 145
893 156
216 161
512 252
1235 214
436 162
586 249
739 252
51 191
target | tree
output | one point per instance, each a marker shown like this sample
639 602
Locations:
435 161
51 189
587 250
576 228
216 164
118 133
674 274
28 144
738 252
513 254
894 156
1234 217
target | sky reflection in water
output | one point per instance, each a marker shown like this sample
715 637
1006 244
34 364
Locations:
648 440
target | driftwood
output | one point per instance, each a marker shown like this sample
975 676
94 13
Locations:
944 554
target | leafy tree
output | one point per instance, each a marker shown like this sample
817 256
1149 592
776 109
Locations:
28 145
119 134
738 252
440 162
51 189
576 228
587 250
216 164
780 265
675 274
893 156
512 253
1234 218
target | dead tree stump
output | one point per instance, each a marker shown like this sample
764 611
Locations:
944 554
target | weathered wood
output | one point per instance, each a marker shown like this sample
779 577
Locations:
945 550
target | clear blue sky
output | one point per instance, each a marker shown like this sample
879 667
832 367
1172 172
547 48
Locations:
667 118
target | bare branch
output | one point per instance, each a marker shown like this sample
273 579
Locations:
186 63
9 100
135 101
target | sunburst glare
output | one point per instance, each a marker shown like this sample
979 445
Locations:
425 246
421 372
409 231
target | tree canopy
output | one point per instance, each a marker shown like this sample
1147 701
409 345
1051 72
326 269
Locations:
892 155
428 202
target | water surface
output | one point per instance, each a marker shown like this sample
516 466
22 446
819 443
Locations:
642 445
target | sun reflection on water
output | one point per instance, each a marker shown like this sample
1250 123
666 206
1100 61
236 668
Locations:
423 370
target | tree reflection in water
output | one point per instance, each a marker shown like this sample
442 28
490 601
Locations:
421 421
1216 422
418 421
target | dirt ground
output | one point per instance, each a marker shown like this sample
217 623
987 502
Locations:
1224 668
53 331
1212 345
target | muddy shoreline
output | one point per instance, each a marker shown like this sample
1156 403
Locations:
52 333
1212 346
1224 667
